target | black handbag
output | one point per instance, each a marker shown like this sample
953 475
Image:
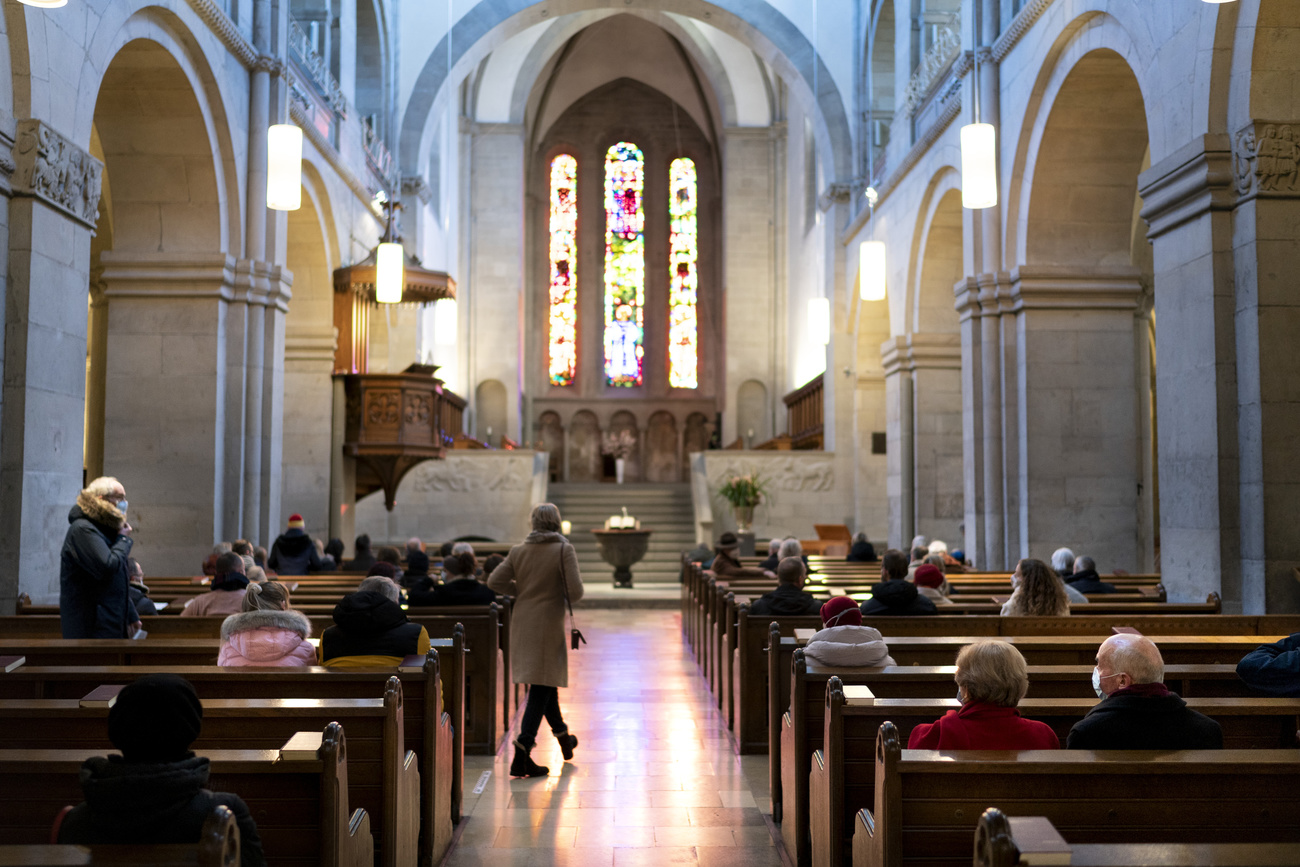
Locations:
575 634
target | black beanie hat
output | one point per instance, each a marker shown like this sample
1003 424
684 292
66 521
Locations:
155 719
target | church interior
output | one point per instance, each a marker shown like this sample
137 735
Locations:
981 299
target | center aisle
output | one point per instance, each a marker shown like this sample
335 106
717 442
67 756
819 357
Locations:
654 780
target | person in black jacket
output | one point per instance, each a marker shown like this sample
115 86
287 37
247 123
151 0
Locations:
144 606
895 596
1273 669
1137 711
94 599
294 552
364 559
154 792
788 597
1085 580
370 629
460 586
862 551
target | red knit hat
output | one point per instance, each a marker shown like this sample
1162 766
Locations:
296 522
928 576
841 611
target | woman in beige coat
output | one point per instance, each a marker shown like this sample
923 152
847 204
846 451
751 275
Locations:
535 574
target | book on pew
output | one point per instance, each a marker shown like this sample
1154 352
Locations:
1040 844
414 662
9 663
102 696
302 747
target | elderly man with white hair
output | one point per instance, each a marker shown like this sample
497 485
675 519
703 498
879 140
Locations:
1137 711
1063 564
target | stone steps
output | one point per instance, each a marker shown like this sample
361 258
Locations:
665 509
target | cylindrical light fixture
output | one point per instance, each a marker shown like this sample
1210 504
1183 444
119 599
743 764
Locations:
444 322
389 273
979 170
284 167
871 270
819 320
1207 1
44 4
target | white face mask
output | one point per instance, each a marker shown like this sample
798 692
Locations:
1096 682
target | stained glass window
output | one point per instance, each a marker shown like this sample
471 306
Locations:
564 286
683 255
624 264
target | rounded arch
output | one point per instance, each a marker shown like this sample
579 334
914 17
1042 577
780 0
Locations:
176 37
773 36
929 307
1090 31
490 410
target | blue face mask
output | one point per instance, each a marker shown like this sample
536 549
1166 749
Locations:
121 507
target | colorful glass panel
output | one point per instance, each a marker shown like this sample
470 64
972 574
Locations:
683 257
564 287
624 265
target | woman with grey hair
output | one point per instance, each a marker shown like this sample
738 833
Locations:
537 574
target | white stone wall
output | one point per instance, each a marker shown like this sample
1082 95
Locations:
805 490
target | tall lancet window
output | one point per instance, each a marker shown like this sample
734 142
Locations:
624 265
683 256
564 285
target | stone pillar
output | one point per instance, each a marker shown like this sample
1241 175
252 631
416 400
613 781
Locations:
1188 198
923 390
308 457
55 199
1080 461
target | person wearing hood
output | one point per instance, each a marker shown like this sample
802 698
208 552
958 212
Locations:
94 596
154 792
293 552
843 640
364 558
541 574
895 596
459 586
371 630
227 593
1085 579
725 564
862 550
1137 711
992 678
140 601
416 576
788 598
267 631
931 583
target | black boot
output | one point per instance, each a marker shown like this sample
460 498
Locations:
523 764
567 742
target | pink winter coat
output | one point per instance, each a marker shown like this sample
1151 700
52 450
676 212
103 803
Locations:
266 638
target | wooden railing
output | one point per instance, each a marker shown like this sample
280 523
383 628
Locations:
804 415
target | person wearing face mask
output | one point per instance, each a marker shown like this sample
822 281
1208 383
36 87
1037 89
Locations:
992 678
94 579
1137 711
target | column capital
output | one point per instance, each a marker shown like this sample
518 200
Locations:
1043 287
48 166
168 275
1193 180
982 295
921 351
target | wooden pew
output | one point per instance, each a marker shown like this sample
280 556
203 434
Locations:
997 844
217 846
842 770
802 723
487 696
385 776
301 807
439 732
1094 796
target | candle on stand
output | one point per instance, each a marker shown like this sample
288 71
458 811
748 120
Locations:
566 527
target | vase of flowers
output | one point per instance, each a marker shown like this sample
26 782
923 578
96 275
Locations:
620 446
744 493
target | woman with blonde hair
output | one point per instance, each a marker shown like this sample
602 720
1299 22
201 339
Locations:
991 679
1036 592
267 631
539 573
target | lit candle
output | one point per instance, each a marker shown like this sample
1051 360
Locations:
566 527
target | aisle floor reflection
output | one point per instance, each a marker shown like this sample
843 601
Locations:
654 780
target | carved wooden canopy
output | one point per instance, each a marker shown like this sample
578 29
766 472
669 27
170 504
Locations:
422 286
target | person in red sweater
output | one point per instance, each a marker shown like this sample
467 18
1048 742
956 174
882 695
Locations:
991 680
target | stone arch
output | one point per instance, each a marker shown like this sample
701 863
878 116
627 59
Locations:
372 67
490 411
937 256
696 437
584 447
662 446
775 38
550 438
878 82
625 422
753 413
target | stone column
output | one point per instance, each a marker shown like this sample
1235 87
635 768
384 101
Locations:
1080 460
308 456
55 199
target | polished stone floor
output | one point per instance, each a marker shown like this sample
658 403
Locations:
654 780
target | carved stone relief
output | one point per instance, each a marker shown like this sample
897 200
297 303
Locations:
788 473
550 435
462 475
53 169
1266 158
661 449
584 448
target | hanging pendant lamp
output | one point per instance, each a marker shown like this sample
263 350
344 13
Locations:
284 167
871 270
